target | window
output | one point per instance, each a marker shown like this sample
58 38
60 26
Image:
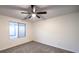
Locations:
17 30
22 30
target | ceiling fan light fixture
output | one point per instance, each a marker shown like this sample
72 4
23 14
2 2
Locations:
33 15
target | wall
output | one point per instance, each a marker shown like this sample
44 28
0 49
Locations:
5 41
61 32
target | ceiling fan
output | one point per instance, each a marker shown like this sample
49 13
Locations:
33 12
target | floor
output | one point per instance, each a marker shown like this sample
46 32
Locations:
34 47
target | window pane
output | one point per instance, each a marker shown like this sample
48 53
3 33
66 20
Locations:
22 30
13 30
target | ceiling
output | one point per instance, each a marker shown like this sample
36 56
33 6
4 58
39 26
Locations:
52 11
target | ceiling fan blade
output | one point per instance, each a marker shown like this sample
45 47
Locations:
42 12
38 16
32 7
25 13
27 17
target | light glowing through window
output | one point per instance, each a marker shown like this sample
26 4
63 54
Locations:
17 30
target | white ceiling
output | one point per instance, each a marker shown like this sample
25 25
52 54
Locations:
52 10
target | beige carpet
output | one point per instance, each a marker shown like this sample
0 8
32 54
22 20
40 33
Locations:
34 47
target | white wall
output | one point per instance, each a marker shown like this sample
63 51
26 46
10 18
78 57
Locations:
62 32
5 41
